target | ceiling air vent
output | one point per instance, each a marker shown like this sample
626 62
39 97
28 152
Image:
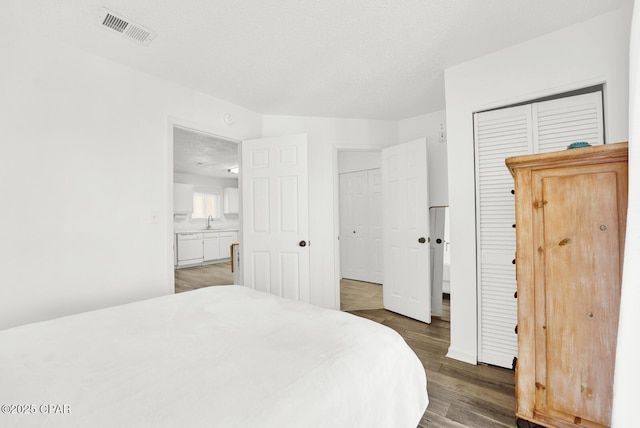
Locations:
131 30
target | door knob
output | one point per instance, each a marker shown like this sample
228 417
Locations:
422 240
303 243
438 241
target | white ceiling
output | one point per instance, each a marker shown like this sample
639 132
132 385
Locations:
203 154
375 59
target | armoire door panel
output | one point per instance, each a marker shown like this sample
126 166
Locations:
574 224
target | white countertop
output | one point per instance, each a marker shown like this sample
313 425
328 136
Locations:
225 229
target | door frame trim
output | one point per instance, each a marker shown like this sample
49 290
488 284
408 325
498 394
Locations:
336 210
175 122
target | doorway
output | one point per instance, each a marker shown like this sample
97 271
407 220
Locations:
357 166
360 233
361 225
205 210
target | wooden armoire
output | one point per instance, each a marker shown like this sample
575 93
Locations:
570 228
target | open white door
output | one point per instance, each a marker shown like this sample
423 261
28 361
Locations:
275 216
406 288
436 244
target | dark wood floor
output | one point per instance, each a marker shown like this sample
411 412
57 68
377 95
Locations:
358 295
460 394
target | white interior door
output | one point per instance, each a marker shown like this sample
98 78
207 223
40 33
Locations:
354 226
375 248
361 225
275 211
436 245
406 287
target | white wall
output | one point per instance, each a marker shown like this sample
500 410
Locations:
588 53
428 125
358 160
214 184
627 376
85 160
325 136
92 139
351 138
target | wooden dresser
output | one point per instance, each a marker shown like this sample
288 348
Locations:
570 227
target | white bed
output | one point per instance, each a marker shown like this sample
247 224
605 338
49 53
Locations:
220 357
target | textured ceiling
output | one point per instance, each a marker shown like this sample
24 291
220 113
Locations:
376 59
202 154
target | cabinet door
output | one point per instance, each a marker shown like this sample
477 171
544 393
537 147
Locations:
226 239
189 251
231 202
577 233
182 198
211 247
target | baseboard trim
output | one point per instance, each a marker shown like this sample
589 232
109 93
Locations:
459 355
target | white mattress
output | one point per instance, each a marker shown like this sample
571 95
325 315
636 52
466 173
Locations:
219 357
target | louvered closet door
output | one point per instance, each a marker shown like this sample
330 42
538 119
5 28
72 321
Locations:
534 128
498 134
561 122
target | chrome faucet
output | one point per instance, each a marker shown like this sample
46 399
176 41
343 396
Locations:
209 220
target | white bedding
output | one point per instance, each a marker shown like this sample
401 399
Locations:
220 357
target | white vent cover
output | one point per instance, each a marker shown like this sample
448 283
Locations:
131 30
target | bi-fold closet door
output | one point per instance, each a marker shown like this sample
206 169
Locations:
532 128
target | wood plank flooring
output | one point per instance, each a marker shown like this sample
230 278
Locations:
203 276
460 395
357 295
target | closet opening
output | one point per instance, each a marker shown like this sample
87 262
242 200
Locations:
543 125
